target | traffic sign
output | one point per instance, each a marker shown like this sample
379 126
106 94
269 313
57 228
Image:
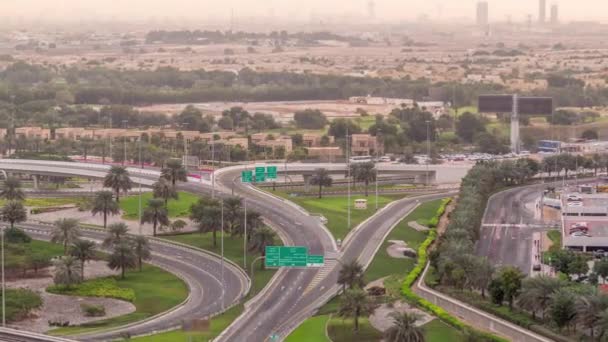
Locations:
247 176
315 261
272 172
260 174
282 256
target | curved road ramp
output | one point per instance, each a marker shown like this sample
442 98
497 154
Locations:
12 335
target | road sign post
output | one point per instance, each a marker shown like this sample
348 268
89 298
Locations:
292 256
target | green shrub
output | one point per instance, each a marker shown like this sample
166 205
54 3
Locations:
92 310
19 302
16 235
102 287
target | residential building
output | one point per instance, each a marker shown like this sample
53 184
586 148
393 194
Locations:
542 9
329 154
315 140
33 132
482 14
364 145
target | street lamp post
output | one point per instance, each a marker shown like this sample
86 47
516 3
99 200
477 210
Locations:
3 281
141 163
376 166
428 149
245 235
124 140
348 173
222 250
212 168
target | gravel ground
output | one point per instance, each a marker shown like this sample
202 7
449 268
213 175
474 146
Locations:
68 307
395 250
381 319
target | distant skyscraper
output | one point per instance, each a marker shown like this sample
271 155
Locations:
371 9
542 11
554 14
482 14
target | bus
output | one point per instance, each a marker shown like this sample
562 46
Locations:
360 159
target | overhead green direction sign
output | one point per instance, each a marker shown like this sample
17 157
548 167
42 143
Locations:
315 261
247 176
272 172
289 256
260 174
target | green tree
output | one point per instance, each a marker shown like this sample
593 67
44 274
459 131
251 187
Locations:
155 213
339 127
351 275
601 268
310 119
68 271
174 171
260 239
364 172
354 304
11 190
511 278
233 215
497 292
207 214
83 250
163 189
469 125
562 309
482 276
118 179
115 235
65 232
536 293
104 204
123 257
141 248
13 212
321 178
589 309
404 329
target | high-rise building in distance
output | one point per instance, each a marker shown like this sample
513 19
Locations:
482 14
371 9
542 10
554 14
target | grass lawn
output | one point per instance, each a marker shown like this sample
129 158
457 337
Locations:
233 250
177 208
313 329
335 210
48 202
365 122
217 325
341 330
384 265
437 331
155 291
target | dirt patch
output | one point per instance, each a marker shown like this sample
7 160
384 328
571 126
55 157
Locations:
68 307
382 320
396 249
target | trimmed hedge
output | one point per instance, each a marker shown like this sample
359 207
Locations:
417 271
102 287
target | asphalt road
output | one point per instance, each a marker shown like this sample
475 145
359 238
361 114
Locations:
200 271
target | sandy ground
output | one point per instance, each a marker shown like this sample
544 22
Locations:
417 226
381 319
395 250
68 307
87 217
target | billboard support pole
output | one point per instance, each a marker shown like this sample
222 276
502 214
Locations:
515 126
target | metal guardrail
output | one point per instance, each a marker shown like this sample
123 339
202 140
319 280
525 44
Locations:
20 335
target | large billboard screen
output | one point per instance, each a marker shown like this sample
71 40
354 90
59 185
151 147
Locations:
495 103
535 105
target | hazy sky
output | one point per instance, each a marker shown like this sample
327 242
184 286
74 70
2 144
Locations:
389 9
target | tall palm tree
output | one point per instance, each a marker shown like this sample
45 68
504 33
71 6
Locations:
536 293
83 250
11 190
122 257
65 232
155 213
163 189
233 215
207 214
174 171
68 271
116 234
354 304
13 212
482 276
321 178
105 204
351 275
118 179
589 308
141 248
366 173
404 329
260 239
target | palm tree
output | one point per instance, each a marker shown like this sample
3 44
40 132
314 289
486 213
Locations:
122 257
207 213
354 304
116 234
366 173
482 276
351 275
174 171
105 204
536 293
83 250
163 189
68 271
233 215
404 329
260 239
321 178
141 247
589 309
13 212
11 190
118 179
155 213
65 232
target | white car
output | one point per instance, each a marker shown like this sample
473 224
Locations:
580 234
575 204
574 198
385 159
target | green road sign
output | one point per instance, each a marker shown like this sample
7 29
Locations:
247 176
272 172
260 174
315 261
280 256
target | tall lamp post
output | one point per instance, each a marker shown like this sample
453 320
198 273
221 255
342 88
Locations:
141 163
3 281
376 166
124 140
428 149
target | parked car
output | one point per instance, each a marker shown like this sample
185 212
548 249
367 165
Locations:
574 198
575 204
580 234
